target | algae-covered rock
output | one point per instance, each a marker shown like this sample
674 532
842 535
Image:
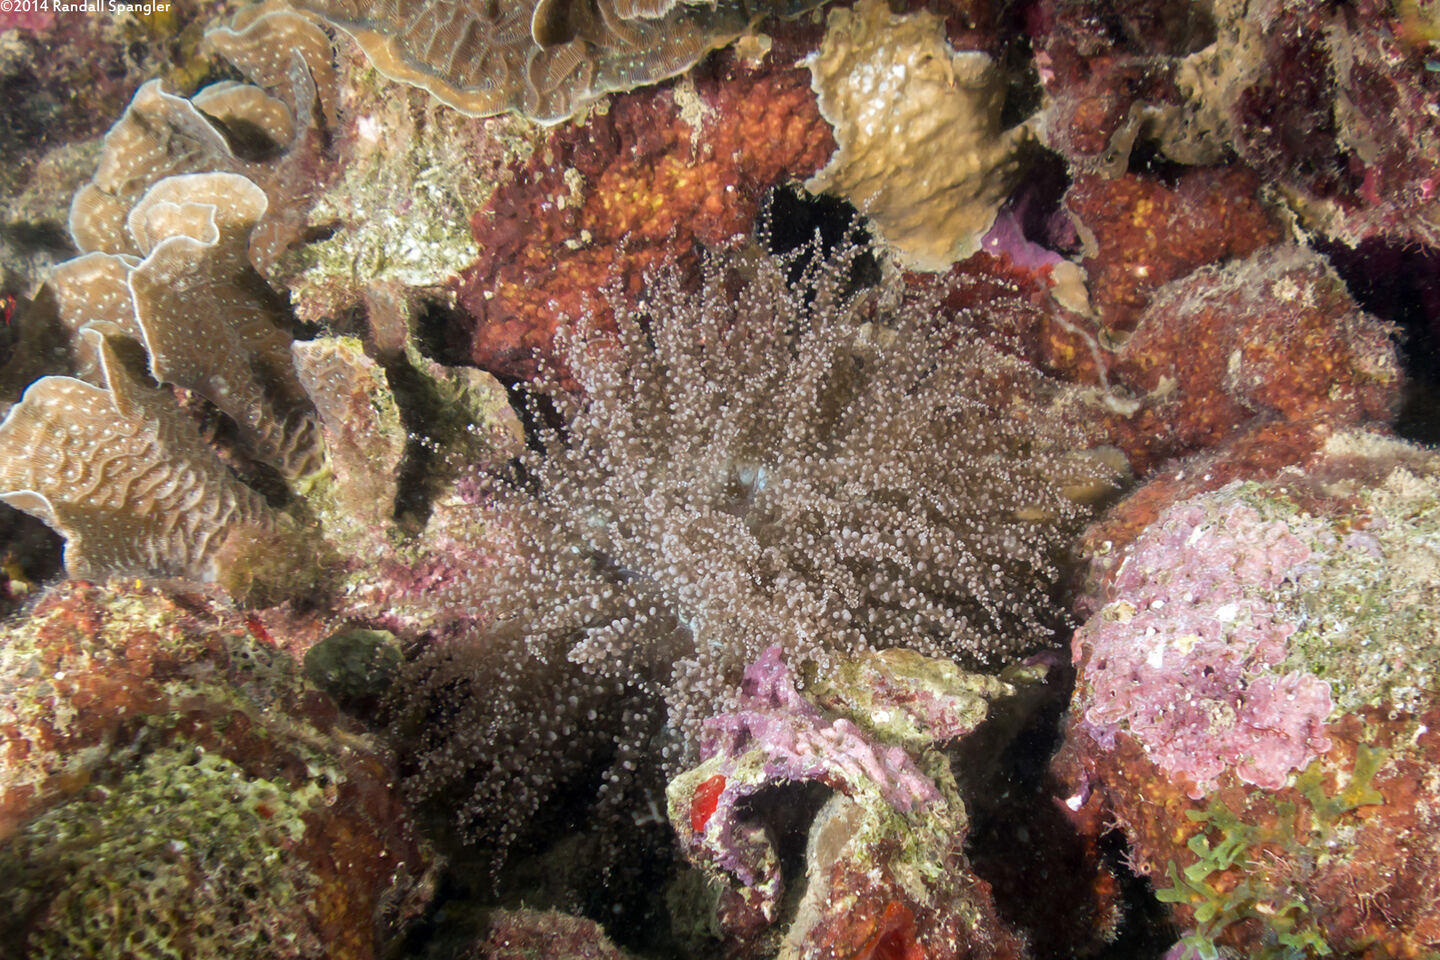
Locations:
885 860
170 786
1257 705
354 666
184 855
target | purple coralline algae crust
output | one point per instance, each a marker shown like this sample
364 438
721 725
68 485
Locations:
800 743
1183 655
778 736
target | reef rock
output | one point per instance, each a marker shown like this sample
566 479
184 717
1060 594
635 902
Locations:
1231 347
169 782
541 935
633 191
1257 704
1332 105
887 873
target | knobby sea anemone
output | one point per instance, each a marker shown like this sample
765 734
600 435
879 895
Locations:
748 461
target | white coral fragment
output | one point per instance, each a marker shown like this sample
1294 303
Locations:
921 148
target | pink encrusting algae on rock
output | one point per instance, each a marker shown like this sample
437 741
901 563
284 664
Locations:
885 860
1184 655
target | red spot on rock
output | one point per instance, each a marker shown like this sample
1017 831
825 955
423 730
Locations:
895 937
258 631
706 799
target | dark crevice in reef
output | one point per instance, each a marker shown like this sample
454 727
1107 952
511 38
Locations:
419 407
1146 159
1024 95
788 811
791 218
442 334
247 140
438 336
347 323
1145 930
43 237
1400 284
1038 203
1020 840
32 553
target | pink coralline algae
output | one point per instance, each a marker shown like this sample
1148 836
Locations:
792 741
886 869
25 18
1184 655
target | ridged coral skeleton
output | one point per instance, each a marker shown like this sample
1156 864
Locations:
124 476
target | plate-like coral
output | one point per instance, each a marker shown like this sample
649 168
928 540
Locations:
124 476
546 59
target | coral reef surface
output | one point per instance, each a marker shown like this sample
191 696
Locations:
1256 699
885 856
169 783
780 484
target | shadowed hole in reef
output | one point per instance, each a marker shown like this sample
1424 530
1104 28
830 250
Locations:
1146 159
790 218
1037 202
439 336
31 553
787 811
1044 880
1400 284
419 407
612 872
44 236
443 334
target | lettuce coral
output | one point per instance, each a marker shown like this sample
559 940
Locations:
121 473
546 59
